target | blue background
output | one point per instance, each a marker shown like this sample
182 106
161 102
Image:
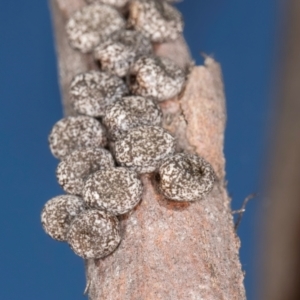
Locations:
242 36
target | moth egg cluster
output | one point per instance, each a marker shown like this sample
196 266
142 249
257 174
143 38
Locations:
121 50
72 171
91 92
123 95
58 213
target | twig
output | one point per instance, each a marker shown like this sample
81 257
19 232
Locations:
155 244
241 211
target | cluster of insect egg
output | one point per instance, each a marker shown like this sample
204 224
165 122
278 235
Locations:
124 94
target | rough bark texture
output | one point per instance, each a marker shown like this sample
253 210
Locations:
170 250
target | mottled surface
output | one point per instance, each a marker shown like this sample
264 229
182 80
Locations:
91 92
117 54
144 148
156 77
116 190
157 20
131 112
72 171
94 234
116 3
92 24
185 177
171 251
75 132
58 213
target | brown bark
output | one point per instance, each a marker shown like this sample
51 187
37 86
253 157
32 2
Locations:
170 250
281 239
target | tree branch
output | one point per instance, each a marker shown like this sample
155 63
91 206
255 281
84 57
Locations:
169 250
281 238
